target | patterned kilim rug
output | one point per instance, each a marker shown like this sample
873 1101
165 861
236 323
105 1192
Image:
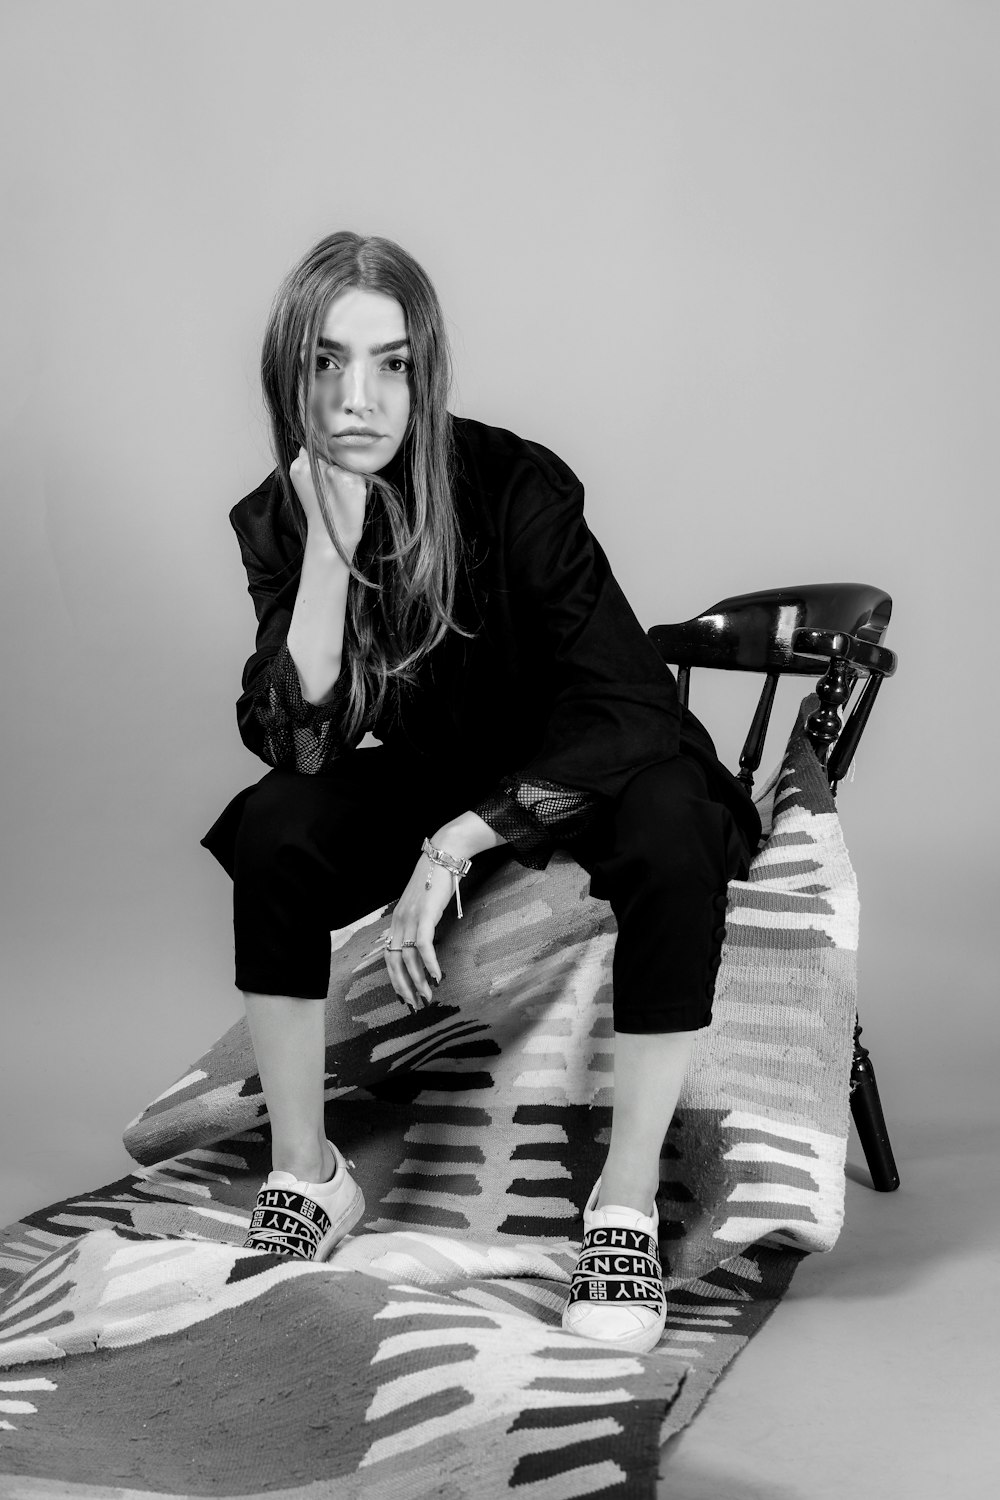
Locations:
142 1351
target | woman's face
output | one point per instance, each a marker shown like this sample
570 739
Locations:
363 371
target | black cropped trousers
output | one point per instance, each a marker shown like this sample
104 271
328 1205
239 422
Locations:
311 853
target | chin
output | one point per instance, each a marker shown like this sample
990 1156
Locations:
362 461
357 463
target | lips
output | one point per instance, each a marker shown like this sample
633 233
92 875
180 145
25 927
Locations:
357 432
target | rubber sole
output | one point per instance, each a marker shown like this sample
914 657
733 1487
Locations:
354 1214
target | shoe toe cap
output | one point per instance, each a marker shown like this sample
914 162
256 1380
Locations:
608 1323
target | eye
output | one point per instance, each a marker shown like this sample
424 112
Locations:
403 365
324 363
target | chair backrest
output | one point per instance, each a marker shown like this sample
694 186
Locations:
832 631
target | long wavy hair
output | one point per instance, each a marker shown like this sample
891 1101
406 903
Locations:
401 592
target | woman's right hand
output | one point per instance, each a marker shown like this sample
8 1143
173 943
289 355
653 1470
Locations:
347 495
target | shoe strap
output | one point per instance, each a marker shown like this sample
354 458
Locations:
261 1241
287 1222
611 1268
610 1239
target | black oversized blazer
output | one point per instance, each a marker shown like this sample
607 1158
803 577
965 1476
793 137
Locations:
560 688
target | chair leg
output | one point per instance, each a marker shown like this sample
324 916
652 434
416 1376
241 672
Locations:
866 1107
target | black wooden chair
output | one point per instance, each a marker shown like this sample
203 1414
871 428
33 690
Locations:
832 631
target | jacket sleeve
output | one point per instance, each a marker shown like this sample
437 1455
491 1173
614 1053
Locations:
274 719
614 705
530 814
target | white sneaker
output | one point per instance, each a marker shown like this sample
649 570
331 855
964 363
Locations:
616 1294
305 1219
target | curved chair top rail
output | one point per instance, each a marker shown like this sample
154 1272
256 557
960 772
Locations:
785 630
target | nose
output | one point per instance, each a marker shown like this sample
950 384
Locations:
356 394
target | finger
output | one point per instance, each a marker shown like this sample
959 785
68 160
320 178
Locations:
415 969
399 980
425 947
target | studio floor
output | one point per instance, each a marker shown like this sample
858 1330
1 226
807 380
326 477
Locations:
878 1375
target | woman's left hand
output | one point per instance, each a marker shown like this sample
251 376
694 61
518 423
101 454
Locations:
414 968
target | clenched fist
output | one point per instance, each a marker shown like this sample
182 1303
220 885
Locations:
346 498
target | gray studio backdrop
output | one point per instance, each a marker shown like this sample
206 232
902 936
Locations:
734 262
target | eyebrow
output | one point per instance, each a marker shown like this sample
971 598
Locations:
337 348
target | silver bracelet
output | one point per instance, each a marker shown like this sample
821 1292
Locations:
456 868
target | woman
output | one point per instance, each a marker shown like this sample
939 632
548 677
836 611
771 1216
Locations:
433 580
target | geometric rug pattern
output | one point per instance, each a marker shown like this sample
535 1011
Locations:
143 1351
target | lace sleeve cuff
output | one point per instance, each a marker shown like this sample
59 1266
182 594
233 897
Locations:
297 735
533 815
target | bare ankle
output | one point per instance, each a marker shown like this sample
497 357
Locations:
627 1192
313 1163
